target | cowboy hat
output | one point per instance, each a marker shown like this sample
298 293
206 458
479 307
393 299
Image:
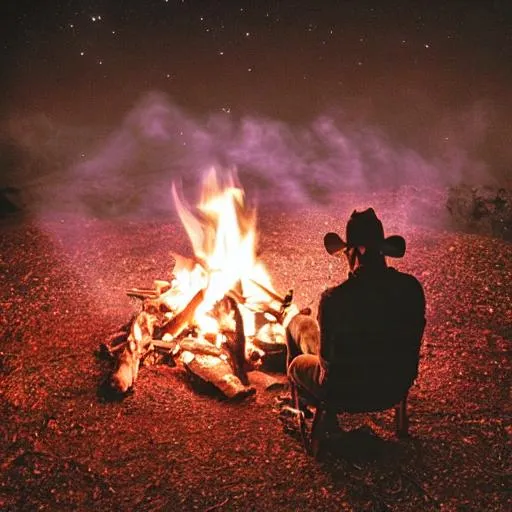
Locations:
364 229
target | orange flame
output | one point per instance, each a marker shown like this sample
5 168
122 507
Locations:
222 230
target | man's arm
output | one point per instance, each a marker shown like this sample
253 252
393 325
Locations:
326 342
420 318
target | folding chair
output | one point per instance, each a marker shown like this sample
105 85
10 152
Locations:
312 441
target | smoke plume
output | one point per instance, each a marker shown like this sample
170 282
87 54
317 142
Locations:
129 170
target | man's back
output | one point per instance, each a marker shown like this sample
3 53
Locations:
371 328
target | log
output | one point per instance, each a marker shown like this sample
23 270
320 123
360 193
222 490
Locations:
219 373
269 292
143 328
200 347
142 293
159 352
271 338
237 296
269 310
116 339
166 345
285 302
262 380
180 321
235 344
161 286
127 368
128 363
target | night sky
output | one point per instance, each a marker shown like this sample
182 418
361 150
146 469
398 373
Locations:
430 77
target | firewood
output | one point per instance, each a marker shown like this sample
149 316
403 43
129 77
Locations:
180 321
116 339
236 344
269 292
142 293
161 286
254 356
127 369
145 345
199 347
219 373
143 290
128 363
236 296
110 350
156 306
286 302
271 337
269 310
166 345
143 328
262 380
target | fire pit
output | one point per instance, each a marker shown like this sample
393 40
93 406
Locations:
219 315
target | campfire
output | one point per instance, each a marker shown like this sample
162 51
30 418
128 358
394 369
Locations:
219 315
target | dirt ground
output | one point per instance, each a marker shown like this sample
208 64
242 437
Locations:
170 446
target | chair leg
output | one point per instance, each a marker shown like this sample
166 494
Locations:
317 433
401 419
300 415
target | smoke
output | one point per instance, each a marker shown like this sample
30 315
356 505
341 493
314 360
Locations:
129 170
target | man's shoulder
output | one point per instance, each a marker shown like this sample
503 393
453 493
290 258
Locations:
337 291
408 288
395 278
404 278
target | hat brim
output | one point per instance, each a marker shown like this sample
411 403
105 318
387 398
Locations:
393 246
333 244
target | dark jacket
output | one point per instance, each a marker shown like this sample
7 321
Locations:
371 327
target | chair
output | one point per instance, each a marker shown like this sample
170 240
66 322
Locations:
312 441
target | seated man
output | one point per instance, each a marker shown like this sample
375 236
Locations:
363 353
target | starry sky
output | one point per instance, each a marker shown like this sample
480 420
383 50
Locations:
423 73
277 56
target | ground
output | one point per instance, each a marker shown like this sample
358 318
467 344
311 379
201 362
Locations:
170 446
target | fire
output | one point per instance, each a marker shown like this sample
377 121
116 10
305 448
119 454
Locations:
223 234
220 314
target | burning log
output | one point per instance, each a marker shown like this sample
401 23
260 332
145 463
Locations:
153 337
170 346
271 340
179 322
200 347
236 344
211 344
160 287
284 301
271 337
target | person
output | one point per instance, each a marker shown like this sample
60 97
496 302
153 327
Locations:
362 352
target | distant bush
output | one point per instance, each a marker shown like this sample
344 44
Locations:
481 209
10 201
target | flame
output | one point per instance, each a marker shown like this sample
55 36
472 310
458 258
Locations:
222 231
